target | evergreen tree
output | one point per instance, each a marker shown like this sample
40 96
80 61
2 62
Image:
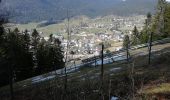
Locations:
55 55
158 25
35 39
144 34
19 55
135 36
4 70
42 58
50 55
34 43
17 52
27 40
167 21
51 38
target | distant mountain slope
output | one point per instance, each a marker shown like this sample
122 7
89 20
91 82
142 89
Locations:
38 10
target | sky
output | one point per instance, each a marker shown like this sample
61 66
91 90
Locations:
166 0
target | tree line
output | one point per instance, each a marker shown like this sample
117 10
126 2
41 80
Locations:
155 28
158 24
27 54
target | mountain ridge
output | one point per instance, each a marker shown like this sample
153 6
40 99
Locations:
38 10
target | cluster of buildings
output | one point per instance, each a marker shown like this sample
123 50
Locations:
85 42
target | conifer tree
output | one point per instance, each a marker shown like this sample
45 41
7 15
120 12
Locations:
135 36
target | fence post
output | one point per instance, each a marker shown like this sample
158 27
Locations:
102 73
11 82
95 61
150 48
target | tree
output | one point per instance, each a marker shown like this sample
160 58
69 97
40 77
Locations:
7 71
149 17
135 36
35 38
42 56
3 62
49 55
158 26
26 69
148 22
15 54
15 57
167 21
57 53
19 55
160 23
51 38
27 40
35 41
126 44
1 28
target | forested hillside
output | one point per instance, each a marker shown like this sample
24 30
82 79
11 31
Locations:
38 10
158 24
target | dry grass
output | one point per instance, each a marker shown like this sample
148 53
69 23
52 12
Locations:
163 88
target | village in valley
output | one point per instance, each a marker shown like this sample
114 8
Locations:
84 49
86 34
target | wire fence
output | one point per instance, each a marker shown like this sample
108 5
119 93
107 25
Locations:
50 86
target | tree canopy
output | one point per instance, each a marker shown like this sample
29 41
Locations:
159 24
16 51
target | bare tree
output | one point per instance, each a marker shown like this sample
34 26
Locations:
66 59
126 44
148 21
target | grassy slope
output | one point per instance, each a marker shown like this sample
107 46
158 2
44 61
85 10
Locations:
149 79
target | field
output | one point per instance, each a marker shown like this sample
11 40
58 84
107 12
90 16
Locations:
96 25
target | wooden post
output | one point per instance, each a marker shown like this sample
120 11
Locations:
11 82
150 48
127 53
102 72
102 58
95 61
110 83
